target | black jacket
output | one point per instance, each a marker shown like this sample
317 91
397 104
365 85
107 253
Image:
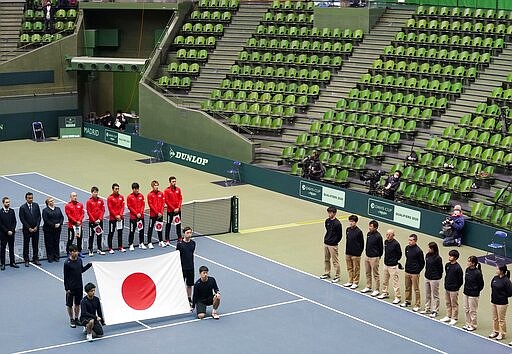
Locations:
433 267
392 252
473 282
30 219
333 232
501 290
7 221
414 262
355 242
374 244
454 277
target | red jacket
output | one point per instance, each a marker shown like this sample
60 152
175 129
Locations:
74 212
135 203
115 205
173 198
156 203
95 209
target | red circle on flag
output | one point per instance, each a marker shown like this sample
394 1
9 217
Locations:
158 227
139 291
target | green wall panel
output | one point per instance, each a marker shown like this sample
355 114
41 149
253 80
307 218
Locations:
126 92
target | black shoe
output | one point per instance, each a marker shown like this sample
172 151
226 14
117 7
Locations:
2 267
50 260
72 323
14 265
26 264
56 259
36 262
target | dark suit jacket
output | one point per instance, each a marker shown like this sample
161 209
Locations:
30 219
7 222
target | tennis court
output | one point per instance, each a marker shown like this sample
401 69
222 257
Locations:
266 307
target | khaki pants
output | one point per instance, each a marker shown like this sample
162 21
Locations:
412 283
432 295
331 253
371 265
452 304
353 268
391 272
498 319
470 310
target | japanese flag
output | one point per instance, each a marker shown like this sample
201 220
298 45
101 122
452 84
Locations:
159 225
140 225
140 289
98 230
176 220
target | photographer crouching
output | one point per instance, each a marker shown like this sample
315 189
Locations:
452 228
312 167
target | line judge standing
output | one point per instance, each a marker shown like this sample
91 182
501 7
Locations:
30 217
7 230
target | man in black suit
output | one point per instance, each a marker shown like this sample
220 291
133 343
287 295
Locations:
30 217
7 230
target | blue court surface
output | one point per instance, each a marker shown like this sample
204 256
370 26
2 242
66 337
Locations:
266 308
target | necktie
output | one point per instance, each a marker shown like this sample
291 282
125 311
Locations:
30 208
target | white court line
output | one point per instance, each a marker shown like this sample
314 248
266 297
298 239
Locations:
160 327
346 289
20 174
32 188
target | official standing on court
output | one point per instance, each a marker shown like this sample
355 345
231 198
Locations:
414 264
30 217
353 250
392 256
186 247
52 227
333 235
7 231
373 252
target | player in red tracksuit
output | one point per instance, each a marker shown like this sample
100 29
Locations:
156 202
135 204
173 200
95 211
75 213
115 204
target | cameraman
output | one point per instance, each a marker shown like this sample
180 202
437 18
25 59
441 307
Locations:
452 228
312 167
391 185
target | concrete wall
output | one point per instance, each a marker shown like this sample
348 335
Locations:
346 17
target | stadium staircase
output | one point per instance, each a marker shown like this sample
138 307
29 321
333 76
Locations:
235 36
11 15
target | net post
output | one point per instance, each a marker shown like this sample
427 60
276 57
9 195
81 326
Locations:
234 214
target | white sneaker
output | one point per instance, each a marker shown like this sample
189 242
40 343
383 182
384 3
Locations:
91 254
100 252
161 243
150 246
452 322
89 337
382 296
445 319
354 286
121 249
335 280
131 248
111 251
167 243
375 293
142 246
347 284
416 308
433 314
366 290
423 312
396 301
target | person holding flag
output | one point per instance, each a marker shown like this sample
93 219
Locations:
206 293
156 203
73 284
95 211
186 247
135 203
91 316
75 212
173 200
115 204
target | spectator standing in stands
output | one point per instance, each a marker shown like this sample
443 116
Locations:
75 212
433 275
30 217
135 203
353 250
473 285
413 266
453 280
91 315
52 227
392 256
173 200
156 203
49 13
95 211
501 290
115 204
333 235
73 269
186 247
374 251
7 231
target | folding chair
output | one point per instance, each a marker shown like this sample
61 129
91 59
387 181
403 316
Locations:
157 152
498 242
38 131
233 174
